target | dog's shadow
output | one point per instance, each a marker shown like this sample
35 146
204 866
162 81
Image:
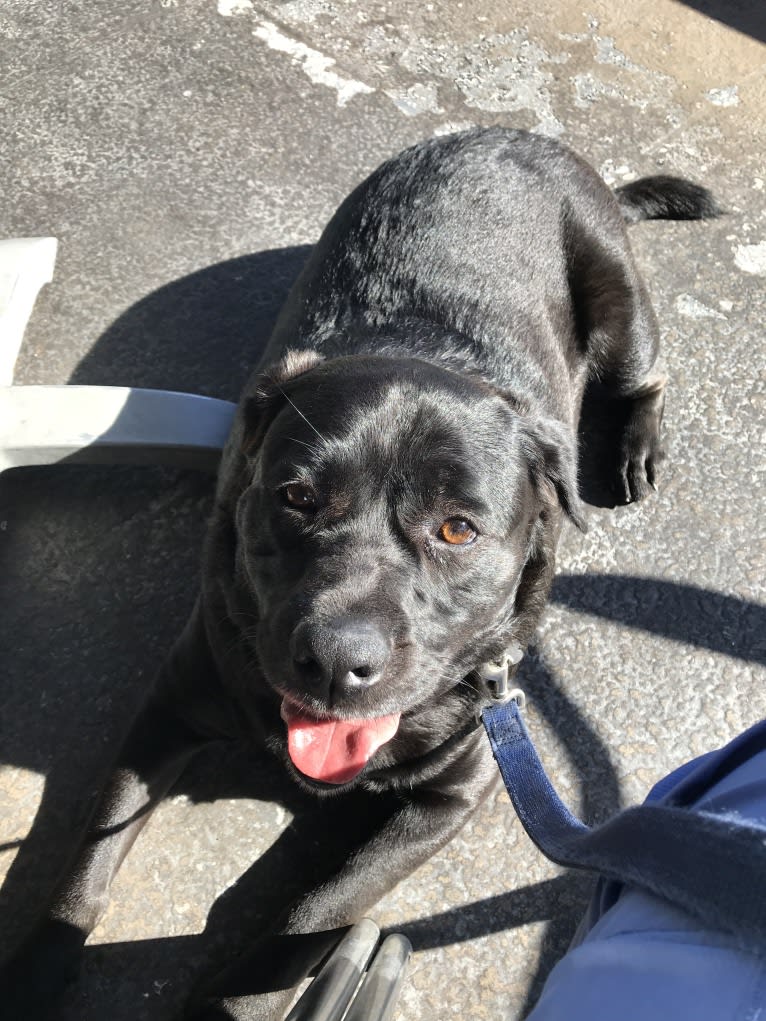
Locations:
202 333
98 566
98 572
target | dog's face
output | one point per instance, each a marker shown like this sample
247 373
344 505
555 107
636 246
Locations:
382 533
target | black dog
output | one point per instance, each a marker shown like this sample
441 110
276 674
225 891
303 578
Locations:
387 514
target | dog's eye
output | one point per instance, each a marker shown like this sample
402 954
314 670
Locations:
457 532
299 496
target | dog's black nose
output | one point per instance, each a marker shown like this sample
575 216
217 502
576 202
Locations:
341 656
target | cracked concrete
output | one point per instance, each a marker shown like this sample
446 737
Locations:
186 155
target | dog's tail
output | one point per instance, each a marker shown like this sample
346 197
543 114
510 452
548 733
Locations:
665 198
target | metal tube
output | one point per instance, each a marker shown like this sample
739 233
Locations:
329 994
379 992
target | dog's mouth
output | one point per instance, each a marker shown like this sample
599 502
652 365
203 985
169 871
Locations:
334 751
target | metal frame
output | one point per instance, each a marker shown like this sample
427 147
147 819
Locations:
352 975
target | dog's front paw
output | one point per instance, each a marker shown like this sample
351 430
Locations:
33 980
637 474
640 451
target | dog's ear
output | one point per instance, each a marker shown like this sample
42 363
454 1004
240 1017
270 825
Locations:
267 394
550 450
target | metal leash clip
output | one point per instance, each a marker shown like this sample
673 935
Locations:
495 680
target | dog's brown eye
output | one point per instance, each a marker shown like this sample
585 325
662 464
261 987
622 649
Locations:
457 532
299 496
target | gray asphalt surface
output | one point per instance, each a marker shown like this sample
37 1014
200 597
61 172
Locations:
187 154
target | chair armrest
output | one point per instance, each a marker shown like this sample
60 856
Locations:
111 425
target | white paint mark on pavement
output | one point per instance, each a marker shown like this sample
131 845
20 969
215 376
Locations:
415 100
607 53
724 97
228 8
616 173
689 306
751 258
498 73
450 127
314 64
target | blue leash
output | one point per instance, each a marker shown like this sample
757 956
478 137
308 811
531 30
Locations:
712 866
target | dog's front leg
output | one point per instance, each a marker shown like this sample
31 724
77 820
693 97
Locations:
260 984
618 328
155 752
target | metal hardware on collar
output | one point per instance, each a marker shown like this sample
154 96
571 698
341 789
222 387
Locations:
517 695
494 677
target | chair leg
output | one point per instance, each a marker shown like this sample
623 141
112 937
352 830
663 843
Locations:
25 265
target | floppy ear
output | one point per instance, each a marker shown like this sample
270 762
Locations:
551 453
266 394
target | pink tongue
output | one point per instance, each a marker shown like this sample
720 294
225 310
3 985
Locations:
334 751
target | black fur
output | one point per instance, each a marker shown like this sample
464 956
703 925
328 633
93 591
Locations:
429 366
666 198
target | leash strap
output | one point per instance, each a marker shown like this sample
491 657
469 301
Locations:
712 866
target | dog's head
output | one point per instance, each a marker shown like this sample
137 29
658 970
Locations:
383 524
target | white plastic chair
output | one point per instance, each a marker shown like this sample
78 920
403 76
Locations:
90 424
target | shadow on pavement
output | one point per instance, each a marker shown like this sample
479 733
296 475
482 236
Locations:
746 16
201 334
684 613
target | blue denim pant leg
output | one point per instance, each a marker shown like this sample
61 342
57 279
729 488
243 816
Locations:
638 958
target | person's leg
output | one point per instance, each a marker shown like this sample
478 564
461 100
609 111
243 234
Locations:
638 958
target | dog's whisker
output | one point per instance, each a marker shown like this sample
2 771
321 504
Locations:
308 446
242 638
294 405
239 613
